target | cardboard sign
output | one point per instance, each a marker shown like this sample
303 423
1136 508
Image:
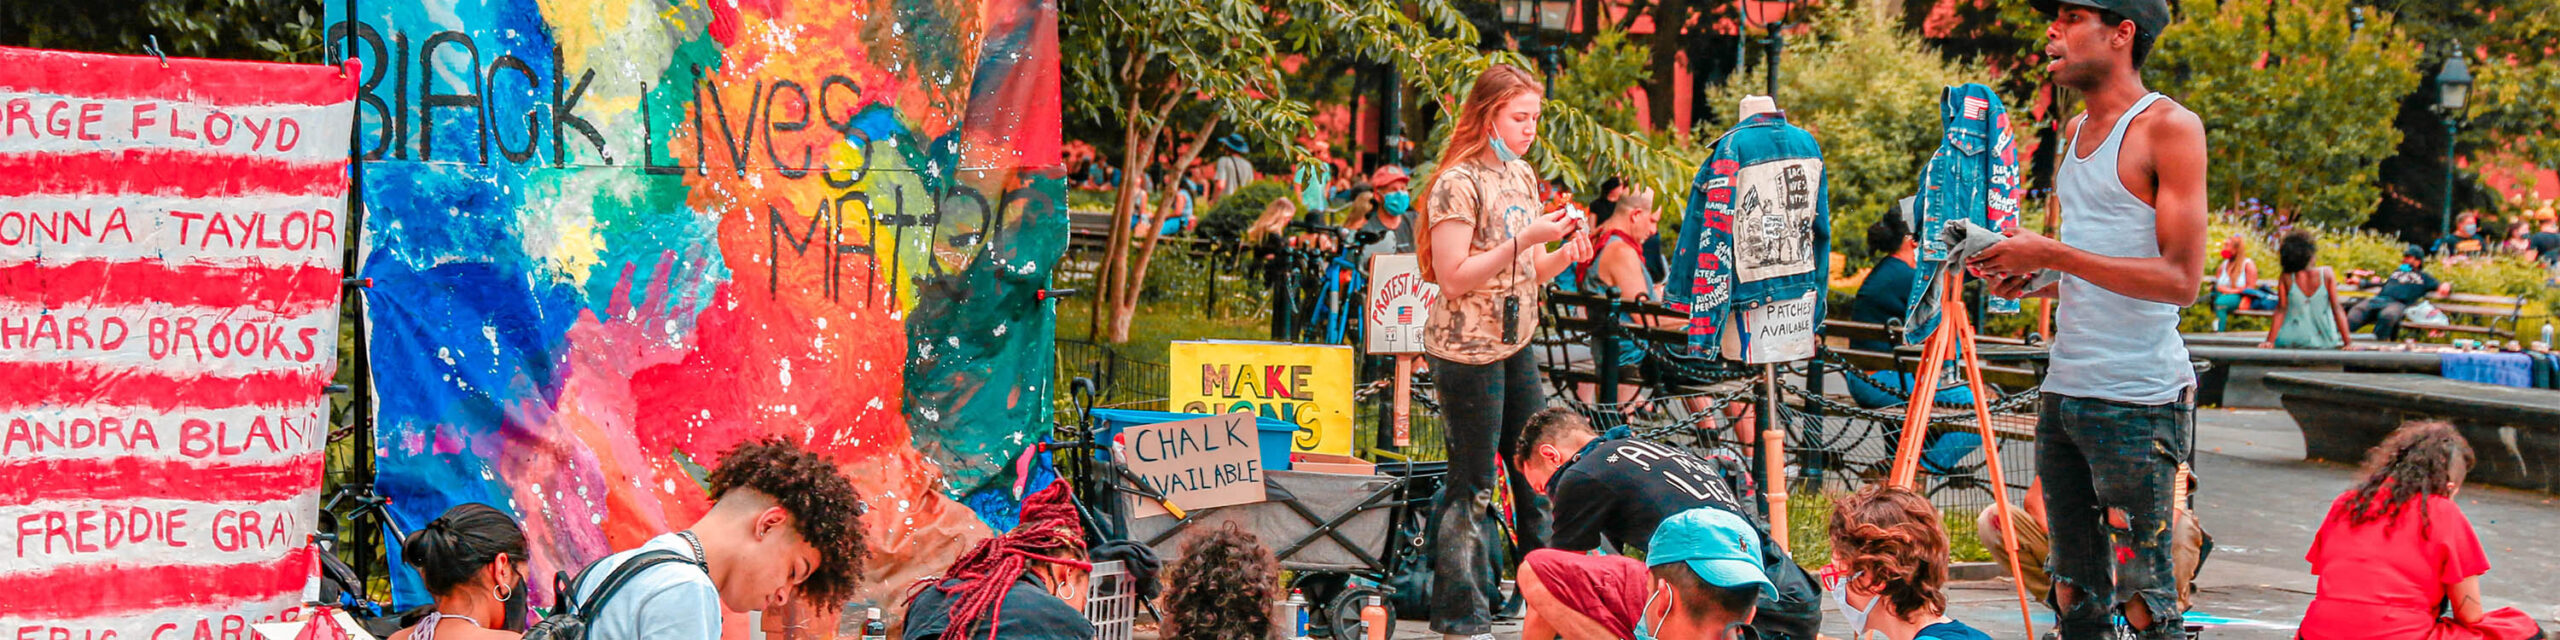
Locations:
1780 331
1399 304
1306 385
1196 464
171 240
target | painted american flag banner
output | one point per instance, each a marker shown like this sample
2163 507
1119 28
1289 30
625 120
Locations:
171 243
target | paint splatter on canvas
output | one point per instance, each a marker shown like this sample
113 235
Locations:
609 239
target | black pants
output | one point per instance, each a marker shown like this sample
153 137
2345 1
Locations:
2383 313
2097 456
1484 407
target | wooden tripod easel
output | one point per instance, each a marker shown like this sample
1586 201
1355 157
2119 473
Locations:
1954 340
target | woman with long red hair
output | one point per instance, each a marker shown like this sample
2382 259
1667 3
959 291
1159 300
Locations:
1484 242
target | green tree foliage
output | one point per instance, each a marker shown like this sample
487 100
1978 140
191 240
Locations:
275 30
2297 116
1598 77
1869 92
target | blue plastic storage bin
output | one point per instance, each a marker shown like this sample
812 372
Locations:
1275 435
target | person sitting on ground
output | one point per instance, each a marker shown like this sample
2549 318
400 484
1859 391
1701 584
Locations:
784 525
1026 584
2186 553
2402 288
1702 579
2235 282
2308 316
1616 493
2395 556
472 560
1222 588
1888 571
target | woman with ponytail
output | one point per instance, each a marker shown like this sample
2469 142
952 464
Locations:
1888 572
1484 242
2397 559
472 560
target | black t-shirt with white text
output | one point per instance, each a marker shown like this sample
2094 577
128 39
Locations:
1620 490
2409 287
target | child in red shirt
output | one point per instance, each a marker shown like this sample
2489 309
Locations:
2397 559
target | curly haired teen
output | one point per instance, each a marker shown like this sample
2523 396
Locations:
783 525
1888 572
1222 588
2397 559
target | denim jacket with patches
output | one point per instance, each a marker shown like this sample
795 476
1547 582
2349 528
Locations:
1765 178
1974 176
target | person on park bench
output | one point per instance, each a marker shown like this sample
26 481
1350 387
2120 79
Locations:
784 525
1026 584
2398 291
1616 493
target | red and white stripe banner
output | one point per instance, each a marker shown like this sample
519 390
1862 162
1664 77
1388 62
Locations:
171 236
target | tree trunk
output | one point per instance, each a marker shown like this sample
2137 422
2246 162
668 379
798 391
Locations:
1670 28
1124 309
1116 245
1119 291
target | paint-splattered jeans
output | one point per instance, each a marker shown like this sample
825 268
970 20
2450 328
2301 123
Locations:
1484 407
2097 457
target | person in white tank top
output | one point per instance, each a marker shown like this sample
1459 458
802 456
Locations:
2117 419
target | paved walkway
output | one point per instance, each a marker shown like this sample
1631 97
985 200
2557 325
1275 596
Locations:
2262 502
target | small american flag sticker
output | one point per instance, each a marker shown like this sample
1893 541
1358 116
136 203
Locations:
1976 108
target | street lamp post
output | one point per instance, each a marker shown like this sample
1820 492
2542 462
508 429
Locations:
2453 93
1774 15
1531 19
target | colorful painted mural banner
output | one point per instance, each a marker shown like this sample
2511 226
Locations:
1306 384
171 238
611 239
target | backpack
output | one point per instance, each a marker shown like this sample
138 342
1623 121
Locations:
568 620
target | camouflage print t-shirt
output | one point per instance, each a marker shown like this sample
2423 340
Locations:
1499 199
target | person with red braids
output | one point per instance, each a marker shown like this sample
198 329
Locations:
1888 572
1025 584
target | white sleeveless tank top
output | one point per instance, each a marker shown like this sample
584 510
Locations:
2109 346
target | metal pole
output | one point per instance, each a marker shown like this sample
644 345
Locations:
1777 45
1769 428
2445 228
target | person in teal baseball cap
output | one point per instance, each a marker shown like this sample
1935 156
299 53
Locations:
1706 577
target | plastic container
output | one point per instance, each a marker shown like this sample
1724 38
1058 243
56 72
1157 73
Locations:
1274 434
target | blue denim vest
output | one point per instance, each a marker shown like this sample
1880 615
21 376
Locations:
1760 166
1974 176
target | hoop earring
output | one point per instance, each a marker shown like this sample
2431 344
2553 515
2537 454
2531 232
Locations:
503 595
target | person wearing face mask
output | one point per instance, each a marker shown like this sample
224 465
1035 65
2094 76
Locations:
2466 240
784 525
1484 241
2236 281
1387 219
1026 584
472 559
1705 578
1617 494
2402 288
1888 571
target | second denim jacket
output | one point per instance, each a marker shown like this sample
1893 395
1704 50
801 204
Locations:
1974 176
1765 182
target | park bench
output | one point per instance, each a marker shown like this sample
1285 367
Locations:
1576 333
2488 315
2514 432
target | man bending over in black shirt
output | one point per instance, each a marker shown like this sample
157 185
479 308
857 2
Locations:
1612 493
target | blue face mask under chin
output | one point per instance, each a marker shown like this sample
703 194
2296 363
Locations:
1398 204
1502 151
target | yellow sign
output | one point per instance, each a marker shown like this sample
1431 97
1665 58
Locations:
1307 385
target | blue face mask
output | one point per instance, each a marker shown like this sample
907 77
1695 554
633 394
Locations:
1644 630
1502 151
1398 203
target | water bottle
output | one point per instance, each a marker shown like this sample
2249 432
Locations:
872 627
2546 336
1373 618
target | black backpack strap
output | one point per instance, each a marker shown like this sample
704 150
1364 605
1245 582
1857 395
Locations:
620 575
